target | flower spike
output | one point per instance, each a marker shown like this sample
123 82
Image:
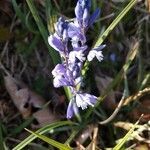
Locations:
70 40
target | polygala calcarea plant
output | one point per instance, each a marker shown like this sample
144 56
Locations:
70 41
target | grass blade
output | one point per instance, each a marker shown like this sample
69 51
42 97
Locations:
110 28
126 137
41 131
54 55
114 23
51 141
51 15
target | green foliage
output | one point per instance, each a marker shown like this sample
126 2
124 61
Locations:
42 29
126 137
43 130
51 141
115 22
37 22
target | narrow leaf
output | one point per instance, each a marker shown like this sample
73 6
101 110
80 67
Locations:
43 130
51 141
54 55
126 137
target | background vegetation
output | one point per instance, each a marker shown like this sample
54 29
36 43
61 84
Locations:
122 81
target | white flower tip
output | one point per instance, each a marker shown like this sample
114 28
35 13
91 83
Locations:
50 40
104 45
91 55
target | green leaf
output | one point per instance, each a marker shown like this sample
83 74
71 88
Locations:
43 130
51 141
54 55
30 24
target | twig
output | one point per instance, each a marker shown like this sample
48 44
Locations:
115 112
137 134
136 96
123 102
95 133
4 69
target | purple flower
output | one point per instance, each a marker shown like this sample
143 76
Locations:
72 109
70 41
60 26
82 12
93 17
60 81
60 76
79 11
86 17
56 42
59 39
75 33
80 7
80 100
59 70
75 69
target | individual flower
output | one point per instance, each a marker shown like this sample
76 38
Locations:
60 76
75 33
59 39
96 52
84 99
59 69
60 26
56 42
60 80
77 54
82 12
74 68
